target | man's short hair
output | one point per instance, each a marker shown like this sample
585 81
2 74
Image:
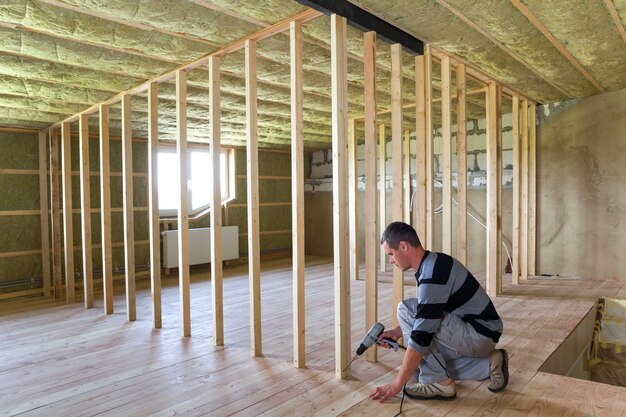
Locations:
397 232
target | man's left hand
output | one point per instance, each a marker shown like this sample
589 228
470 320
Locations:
385 392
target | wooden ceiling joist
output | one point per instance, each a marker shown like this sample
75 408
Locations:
616 19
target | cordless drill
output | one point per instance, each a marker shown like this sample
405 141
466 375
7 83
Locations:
371 338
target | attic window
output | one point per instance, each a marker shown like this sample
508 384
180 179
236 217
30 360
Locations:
199 180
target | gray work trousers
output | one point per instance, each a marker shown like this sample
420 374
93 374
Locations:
457 351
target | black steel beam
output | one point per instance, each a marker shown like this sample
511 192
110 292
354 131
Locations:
366 21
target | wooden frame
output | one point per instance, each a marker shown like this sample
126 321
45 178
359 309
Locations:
419 205
406 151
382 192
68 234
153 204
523 261
183 203
353 201
371 220
446 156
429 240
515 267
129 216
105 210
461 151
532 190
85 210
494 191
43 213
252 157
297 195
340 192
396 164
217 291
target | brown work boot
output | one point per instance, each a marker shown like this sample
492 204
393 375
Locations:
498 370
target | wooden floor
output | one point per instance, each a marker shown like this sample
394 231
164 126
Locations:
60 360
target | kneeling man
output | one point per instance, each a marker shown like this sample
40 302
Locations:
451 328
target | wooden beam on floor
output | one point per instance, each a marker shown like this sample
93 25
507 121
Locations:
183 203
446 156
419 203
215 150
339 73
461 152
85 210
515 267
129 216
369 203
153 204
532 190
353 200
429 240
252 156
105 210
68 233
523 254
382 191
43 212
297 195
494 191
396 164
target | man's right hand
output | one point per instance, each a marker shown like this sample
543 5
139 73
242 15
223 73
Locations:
394 334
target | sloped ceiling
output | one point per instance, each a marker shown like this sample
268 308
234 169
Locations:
59 57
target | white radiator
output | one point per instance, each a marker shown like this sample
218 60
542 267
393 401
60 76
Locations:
200 245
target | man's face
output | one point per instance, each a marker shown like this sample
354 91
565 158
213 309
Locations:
398 257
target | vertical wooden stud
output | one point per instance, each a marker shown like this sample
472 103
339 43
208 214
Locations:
297 194
516 190
446 155
183 203
494 182
532 190
129 217
419 204
523 253
217 291
429 240
371 222
153 203
252 156
105 210
396 163
85 212
461 151
353 201
56 214
382 190
68 234
406 151
43 208
340 193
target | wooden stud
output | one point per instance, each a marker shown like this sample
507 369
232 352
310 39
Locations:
252 157
297 195
419 204
353 201
105 210
515 267
68 234
371 221
446 156
532 191
129 221
523 254
43 212
406 151
85 210
183 203
382 190
610 6
153 204
396 164
215 149
340 193
494 183
461 151
429 240
55 214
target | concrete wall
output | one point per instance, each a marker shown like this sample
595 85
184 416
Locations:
581 190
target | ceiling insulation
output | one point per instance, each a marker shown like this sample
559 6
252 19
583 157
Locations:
60 57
